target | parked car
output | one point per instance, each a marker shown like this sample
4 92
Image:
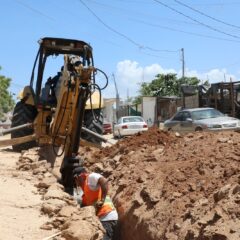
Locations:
107 127
129 125
198 119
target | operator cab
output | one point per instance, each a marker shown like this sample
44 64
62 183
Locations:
51 56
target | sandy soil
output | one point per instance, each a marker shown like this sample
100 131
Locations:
20 216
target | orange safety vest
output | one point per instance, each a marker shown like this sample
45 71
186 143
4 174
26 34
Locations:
90 197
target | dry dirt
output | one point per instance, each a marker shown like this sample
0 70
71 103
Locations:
165 186
20 215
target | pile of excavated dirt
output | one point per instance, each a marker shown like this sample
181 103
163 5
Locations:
167 186
164 185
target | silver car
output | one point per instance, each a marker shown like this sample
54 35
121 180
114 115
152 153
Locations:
198 119
129 125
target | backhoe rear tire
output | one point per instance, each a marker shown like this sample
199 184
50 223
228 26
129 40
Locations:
93 125
23 113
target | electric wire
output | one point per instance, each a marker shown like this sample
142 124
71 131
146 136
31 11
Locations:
199 4
193 19
35 10
110 28
128 38
140 46
186 32
221 67
129 12
217 4
204 14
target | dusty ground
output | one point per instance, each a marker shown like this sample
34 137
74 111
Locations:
165 186
20 215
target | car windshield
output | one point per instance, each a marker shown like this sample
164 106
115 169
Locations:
132 119
206 113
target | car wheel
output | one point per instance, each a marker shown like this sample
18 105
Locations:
169 129
198 129
114 135
119 135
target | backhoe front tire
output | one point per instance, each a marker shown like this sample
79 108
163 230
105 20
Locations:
94 126
22 114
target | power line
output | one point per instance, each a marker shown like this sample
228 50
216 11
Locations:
181 31
221 67
201 23
140 46
196 4
35 10
217 4
164 27
131 11
215 19
110 28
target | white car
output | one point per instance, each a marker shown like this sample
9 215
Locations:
129 125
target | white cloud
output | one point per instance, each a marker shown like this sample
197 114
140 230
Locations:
129 74
213 75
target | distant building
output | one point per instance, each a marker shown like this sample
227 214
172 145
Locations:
158 109
109 111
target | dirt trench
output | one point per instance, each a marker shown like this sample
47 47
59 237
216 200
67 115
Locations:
168 186
164 185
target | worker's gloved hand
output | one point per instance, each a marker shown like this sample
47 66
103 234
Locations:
99 204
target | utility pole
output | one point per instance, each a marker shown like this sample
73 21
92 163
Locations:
183 76
128 108
183 63
117 97
224 77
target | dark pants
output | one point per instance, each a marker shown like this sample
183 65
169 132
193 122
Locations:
111 230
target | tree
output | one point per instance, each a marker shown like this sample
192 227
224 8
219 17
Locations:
6 100
166 85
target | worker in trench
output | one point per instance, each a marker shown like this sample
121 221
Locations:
94 192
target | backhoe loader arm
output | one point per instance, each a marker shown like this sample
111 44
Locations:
66 126
67 122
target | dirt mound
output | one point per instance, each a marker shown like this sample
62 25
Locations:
168 186
164 185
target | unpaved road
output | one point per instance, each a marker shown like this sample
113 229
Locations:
20 216
20 203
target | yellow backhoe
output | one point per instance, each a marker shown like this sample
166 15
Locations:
60 110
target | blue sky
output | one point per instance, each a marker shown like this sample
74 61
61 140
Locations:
132 39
